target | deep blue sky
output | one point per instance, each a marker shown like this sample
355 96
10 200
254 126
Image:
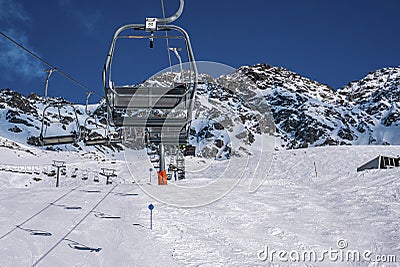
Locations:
333 42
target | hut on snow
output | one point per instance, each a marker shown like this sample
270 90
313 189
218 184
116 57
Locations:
380 162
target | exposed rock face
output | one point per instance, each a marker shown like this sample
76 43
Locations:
310 113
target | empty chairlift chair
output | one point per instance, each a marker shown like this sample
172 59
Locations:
59 127
95 133
162 108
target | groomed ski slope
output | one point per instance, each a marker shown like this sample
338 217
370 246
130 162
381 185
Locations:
83 223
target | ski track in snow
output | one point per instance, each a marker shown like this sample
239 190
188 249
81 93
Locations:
295 209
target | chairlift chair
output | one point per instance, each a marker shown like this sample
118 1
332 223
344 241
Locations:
114 137
99 139
160 108
151 152
88 138
69 138
85 175
163 111
109 174
154 159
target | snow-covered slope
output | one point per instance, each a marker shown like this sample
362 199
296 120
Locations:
312 200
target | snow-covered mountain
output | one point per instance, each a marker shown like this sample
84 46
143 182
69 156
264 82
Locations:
377 94
247 103
308 113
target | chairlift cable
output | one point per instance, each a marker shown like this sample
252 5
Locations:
65 75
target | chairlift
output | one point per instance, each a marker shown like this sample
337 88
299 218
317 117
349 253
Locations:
72 136
161 107
36 170
109 174
180 161
154 159
92 136
151 150
163 111
114 137
74 173
85 175
109 138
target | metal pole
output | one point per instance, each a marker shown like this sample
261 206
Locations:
58 165
49 72
151 207
173 17
151 219
162 157
87 103
58 176
175 50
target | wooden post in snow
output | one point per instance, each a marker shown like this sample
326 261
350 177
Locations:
315 169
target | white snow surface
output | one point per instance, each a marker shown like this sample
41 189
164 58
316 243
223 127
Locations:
300 206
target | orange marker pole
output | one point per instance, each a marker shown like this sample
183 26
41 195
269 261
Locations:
162 177
162 173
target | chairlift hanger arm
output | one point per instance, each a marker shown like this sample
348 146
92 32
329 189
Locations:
87 103
173 17
191 58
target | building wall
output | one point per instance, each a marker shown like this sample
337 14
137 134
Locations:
380 162
373 164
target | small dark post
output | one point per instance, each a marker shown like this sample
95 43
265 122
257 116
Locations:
315 169
151 207
58 164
